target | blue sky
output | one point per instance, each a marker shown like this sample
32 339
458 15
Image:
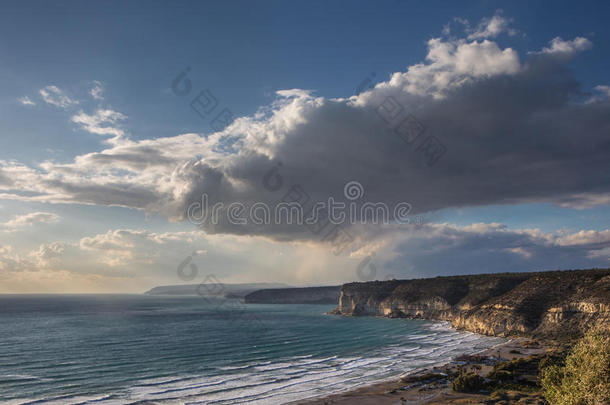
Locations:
243 53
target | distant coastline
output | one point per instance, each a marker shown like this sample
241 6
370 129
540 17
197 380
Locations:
216 289
549 304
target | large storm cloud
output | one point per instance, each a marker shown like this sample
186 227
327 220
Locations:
474 124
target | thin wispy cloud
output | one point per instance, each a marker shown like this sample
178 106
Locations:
25 100
97 91
55 96
491 27
102 122
601 93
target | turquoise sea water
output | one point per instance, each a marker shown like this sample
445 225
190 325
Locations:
117 349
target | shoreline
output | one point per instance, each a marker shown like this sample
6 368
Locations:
414 388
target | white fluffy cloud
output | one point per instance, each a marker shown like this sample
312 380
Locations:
451 64
20 221
567 48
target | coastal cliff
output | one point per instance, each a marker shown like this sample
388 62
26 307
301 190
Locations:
551 304
304 295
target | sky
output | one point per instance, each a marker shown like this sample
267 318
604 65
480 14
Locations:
488 120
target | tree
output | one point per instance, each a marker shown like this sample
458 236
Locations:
585 377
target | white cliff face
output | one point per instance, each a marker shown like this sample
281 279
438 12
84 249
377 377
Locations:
549 303
355 304
580 311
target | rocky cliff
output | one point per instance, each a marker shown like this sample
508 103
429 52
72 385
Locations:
305 295
551 304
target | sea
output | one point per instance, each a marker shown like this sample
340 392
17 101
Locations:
138 349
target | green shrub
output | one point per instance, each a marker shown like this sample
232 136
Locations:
553 359
423 377
468 382
513 370
585 377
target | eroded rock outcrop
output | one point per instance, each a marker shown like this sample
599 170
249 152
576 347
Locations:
553 304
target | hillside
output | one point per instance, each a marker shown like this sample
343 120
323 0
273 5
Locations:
552 304
305 295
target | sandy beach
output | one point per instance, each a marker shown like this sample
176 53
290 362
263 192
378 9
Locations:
430 385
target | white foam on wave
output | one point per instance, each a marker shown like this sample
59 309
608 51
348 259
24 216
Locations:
304 376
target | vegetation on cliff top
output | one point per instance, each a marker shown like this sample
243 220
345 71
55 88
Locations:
576 376
585 377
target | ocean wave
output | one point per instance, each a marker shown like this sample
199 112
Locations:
268 380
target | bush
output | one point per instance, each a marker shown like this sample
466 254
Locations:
557 358
468 382
514 369
585 378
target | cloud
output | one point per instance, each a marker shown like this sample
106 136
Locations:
567 49
25 100
603 94
97 90
604 89
514 131
102 122
491 27
445 249
133 260
451 64
10 261
20 221
55 96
